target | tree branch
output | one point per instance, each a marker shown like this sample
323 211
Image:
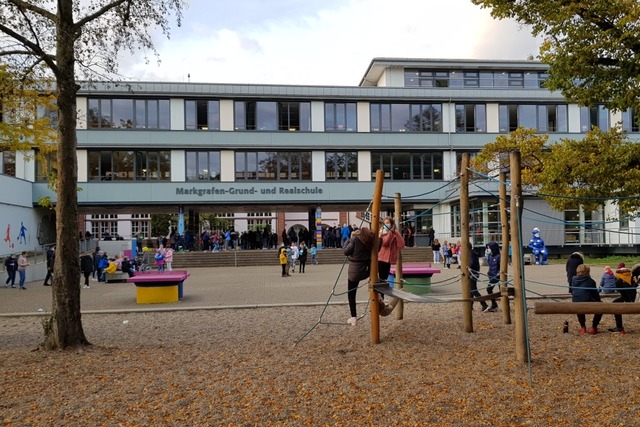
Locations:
98 13
23 5
30 45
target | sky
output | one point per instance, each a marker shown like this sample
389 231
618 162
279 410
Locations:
322 42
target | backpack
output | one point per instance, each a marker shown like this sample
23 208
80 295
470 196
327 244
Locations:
103 263
159 256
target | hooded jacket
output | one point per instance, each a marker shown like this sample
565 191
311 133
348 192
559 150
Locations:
575 259
625 284
494 263
583 289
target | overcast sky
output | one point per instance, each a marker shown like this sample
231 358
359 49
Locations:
322 42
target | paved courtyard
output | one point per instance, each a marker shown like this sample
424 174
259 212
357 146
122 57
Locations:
213 288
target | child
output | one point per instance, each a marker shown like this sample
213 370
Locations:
608 281
313 251
583 289
627 288
284 261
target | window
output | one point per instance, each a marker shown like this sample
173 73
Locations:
544 118
129 165
9 163
128 113
474 78
340 117
407 166
631 120
294 116
572 226
203 165
140 225
426 78
202 114
46 166
274 166
272 116
471 118
49 112
102 225
597 116
406 117
341 165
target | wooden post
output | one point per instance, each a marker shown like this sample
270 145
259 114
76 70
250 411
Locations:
504 258
522 354
397 204
373 276
465 282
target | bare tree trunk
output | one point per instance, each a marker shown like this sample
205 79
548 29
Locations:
65 325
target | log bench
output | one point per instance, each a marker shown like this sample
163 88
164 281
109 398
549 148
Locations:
565 307
154 287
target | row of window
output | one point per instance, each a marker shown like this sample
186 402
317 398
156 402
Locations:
342 117
471 79
252 165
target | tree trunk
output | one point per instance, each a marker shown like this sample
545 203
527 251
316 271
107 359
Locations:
64 328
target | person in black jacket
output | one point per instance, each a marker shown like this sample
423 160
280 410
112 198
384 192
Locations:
11 265
626 285
584 289
86 267
494 274
474 272
358 249
575 259
51 259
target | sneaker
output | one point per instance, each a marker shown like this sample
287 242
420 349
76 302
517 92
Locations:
583 331
13 286
23 289
617 330
86 286
352 321
484 308
593 331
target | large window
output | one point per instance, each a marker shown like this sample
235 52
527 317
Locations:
596 116
407 166
140 225
129 165
471 118
340 117
272 116
631 120
544 118
406 117
273 166
341 165
129 113
9 163
474 78
202 114
203 165
46 166
104 225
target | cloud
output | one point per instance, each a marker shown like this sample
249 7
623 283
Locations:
325 43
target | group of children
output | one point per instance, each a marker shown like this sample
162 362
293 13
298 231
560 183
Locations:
289 257
584 289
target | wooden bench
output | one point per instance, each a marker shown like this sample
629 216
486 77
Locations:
118 276
565 307
154 287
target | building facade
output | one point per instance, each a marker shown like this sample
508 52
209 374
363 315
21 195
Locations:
307 155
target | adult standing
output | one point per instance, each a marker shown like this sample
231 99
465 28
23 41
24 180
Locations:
86 267
431 234
494 274
474 273
11 265
302 256
22 269
358 249
51 259
575 259
391 242
435 247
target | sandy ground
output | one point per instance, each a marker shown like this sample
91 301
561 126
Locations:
241 368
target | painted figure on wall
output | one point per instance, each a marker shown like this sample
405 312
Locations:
22 236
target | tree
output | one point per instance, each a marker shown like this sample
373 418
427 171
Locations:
65 39
592 47
571 173
21 128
